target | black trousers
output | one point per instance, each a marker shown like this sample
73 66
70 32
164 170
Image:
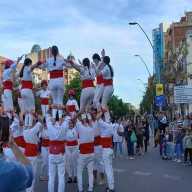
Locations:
188 152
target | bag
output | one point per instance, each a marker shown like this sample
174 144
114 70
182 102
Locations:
133 137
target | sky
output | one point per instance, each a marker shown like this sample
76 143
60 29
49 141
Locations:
84 27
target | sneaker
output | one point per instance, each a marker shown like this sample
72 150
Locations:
131 158
69 180
75 180
178 161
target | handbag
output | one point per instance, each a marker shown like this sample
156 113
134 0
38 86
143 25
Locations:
133 137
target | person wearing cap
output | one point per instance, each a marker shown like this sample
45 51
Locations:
44 95
7 80
72 105
31 138
87 76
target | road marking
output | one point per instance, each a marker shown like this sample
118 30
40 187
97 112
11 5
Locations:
172 177
119 170
141 173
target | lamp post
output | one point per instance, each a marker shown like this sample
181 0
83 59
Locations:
151 44
141 28
142 60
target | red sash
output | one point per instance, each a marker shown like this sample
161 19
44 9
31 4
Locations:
108 82
86 148
87 83
31 150
72 143
20 141
97 141
44 101
8 85
100 79
56 74
71 108
26 84
106 142
56 147
45 143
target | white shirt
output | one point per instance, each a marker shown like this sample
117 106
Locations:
86 133
31 135
71 135
106 128
60 64
27 73
117 128
7 73
16 130
106 72
56 131
86 73
43 93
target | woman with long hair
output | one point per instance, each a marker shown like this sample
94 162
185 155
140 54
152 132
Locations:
108 74
99 82
55 66
87 76
26 90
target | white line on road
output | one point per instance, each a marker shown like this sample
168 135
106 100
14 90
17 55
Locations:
141 173
172 177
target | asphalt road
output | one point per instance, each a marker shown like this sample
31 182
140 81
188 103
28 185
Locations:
146 173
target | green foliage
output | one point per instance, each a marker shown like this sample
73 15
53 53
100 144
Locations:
147 101
74 84
120 109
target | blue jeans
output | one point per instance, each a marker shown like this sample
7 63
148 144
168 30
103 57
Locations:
178 150
118 146
130 147
170 149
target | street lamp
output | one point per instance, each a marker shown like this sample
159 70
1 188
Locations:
136 23
142 60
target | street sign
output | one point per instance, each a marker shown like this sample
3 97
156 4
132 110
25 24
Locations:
159 89
160 101
183 94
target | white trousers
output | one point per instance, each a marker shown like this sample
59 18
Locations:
56 87
107 160
7 99
85 160
86 98
71 160
21 105
44 165
28 104
44 109
107 94
56 166
98 95
98 161
34 163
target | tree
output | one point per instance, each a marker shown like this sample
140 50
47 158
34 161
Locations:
74 84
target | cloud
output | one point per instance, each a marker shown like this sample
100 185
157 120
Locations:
85 27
